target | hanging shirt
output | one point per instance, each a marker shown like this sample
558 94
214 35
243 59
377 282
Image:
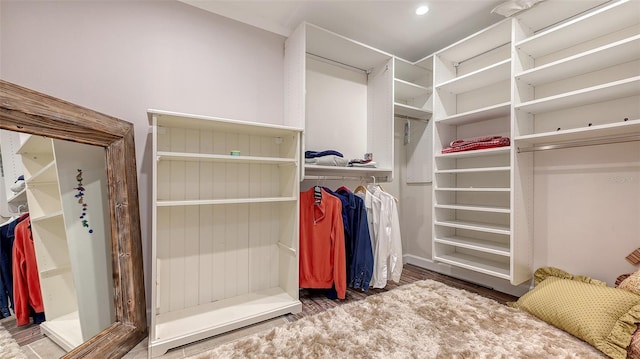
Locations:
6 258
26 282
322 247
357 238
384 223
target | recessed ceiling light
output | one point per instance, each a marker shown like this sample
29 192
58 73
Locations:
422 9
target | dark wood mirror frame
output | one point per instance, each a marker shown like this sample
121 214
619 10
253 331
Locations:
28 111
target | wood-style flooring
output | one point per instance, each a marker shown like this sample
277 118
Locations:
313 301
316 301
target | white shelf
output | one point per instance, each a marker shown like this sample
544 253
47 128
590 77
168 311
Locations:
476 153
467 207
474 189
64 330
479 245
475 226
474 170
498 72
492 37
199 122
316 170
485 113
35 144
407 90
46 175
585 133
609 91
401 109
608 55
477 264
199 157
188 325
204 202
48 217
550 13
18 198
414 73
329 45
47 273
580 29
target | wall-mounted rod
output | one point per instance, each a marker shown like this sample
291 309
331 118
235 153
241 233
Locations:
456 64
405 117
344 178
600 141
334 62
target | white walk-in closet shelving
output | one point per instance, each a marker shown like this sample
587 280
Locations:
225 226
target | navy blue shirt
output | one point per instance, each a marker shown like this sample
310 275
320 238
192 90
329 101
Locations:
357 239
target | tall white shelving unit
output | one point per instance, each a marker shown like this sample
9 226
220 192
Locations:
74 265
225 227
330 81
558 75
473 225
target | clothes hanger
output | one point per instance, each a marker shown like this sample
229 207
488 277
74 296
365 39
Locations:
317 193
360 187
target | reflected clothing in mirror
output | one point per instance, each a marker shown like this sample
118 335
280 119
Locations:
6 273
26 278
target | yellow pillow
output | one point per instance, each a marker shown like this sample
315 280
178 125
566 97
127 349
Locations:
604 317
631 283
545 272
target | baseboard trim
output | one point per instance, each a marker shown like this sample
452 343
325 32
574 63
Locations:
484 280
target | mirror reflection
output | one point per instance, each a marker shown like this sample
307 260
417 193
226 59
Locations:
55 240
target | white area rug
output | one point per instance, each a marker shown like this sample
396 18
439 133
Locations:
9 348
425 319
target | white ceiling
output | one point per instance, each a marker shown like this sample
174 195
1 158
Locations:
391 26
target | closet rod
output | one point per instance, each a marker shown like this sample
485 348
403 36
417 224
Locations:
569 18
334 62
405 117
602 141
456 64
342 178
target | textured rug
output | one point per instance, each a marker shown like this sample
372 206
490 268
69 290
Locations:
425 319
9 348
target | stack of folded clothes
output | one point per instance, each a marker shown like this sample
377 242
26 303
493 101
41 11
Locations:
325 158
368 163
477 143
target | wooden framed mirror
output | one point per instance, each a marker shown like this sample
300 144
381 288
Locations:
28 111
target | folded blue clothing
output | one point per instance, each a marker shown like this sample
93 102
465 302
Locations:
314 154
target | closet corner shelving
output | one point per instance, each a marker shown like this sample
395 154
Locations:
576 82
225 227
74 266
331 80
472 192
412 89
557 75
413 103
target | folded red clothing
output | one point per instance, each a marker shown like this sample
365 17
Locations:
463 142
477 144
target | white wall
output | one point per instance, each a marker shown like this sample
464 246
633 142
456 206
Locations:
124 57
587 209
